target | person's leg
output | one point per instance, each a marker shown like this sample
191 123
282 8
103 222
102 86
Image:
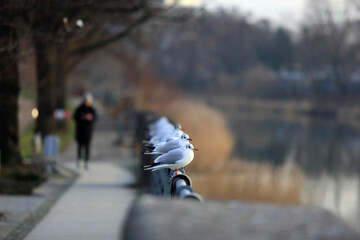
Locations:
79 155
87 154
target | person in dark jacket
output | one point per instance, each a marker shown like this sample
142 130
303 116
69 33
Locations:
85 116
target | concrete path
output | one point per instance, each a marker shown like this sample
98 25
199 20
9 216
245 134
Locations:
96 205
16 209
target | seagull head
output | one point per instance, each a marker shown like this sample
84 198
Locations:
185 137
190 146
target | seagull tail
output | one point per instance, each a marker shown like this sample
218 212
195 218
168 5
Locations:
152 153
150 165
155 167
149 148
149 145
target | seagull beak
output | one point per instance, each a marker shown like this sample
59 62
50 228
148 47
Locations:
195 149
190 139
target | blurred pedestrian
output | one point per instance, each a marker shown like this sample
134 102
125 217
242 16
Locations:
85 116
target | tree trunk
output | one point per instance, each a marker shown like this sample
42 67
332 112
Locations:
60 84
9 93
45 87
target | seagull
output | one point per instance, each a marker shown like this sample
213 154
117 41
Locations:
165 136
174 159
168 146
159 125
162 130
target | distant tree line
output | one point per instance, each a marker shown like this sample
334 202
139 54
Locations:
226 51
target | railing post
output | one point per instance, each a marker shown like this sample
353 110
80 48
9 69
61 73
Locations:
181 187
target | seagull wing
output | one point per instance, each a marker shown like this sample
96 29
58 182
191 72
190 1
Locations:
168 146
171 157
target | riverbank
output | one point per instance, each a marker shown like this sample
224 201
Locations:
303 111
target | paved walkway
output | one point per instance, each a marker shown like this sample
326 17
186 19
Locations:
96 205
22 213
93 208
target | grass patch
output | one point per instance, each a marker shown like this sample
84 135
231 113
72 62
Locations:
21 179
28 94
26 148
65 137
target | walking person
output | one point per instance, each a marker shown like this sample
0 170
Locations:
85 116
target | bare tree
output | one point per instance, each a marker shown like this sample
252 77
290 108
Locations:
61 40
9 92
57 55
105 22
325 39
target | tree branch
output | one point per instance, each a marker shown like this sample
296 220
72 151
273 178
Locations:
123 10
109 6
22 7
53 38
102 43
146 16
71 63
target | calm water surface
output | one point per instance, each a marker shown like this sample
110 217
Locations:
326 152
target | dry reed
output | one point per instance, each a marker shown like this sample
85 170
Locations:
252 182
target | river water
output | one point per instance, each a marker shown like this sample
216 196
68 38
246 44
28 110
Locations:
327 154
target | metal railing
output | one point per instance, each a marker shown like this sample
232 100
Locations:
162 182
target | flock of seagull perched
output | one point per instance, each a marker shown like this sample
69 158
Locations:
171 143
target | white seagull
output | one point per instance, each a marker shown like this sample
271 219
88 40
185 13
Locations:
170 145
162 130
174 159
165 135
